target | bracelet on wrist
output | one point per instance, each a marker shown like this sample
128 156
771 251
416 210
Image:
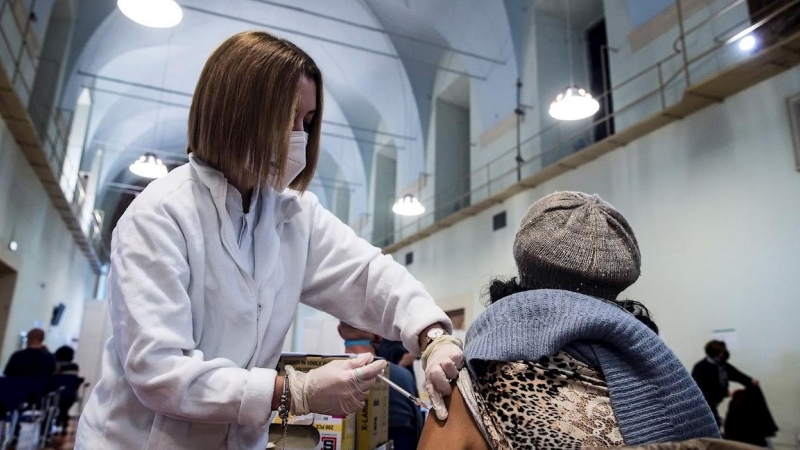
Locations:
285 407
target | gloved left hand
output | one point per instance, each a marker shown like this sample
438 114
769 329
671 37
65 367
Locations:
442 360
337 389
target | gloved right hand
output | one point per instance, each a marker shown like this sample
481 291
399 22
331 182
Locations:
337 388
441 361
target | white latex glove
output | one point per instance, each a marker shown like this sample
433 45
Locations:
335 389
441 360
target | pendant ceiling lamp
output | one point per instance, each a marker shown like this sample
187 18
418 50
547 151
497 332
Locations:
574 103
152 13
748 43
408 205
148 166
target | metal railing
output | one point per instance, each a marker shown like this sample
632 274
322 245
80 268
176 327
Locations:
20 58
96 237
668 75
19 48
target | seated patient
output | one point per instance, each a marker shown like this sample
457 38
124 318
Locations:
556 361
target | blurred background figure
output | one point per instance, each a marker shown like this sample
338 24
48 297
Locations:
713 375
64 361
66 377
405 418
749 419
34 361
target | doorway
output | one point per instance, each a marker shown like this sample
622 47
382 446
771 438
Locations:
8 280
452 180
385 188
599 82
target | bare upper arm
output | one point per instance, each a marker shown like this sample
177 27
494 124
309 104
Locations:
459 431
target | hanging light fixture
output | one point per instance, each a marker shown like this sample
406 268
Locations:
748 43
148 166
574 103
408 205
152 13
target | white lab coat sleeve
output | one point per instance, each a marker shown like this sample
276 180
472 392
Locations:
352 280
151 316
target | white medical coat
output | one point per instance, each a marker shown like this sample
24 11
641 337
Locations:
196 338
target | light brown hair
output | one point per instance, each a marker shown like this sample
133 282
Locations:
244 105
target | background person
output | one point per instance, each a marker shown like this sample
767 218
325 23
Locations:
557 361
34 361
713 375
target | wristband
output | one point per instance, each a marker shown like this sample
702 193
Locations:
438 342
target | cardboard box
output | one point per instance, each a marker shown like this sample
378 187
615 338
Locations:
371 423
315 432
373 420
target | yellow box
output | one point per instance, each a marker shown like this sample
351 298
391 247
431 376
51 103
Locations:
372 422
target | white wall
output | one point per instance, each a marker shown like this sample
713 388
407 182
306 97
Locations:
314 332
714 201
93 338
52 268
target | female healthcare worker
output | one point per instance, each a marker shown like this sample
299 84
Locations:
208 265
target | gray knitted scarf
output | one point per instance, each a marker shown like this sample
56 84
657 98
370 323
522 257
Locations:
652 394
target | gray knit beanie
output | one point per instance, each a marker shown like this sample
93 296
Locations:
576 242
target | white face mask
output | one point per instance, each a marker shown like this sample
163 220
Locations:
296 159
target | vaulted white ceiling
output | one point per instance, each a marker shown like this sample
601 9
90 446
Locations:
379 58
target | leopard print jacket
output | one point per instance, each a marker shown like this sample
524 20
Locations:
554 403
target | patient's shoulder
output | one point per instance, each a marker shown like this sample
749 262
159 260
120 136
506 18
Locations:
459 431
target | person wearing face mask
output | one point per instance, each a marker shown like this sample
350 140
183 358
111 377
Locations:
713 374
209 263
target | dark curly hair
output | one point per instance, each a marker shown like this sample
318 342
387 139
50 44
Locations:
715 349
65 354
501 288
